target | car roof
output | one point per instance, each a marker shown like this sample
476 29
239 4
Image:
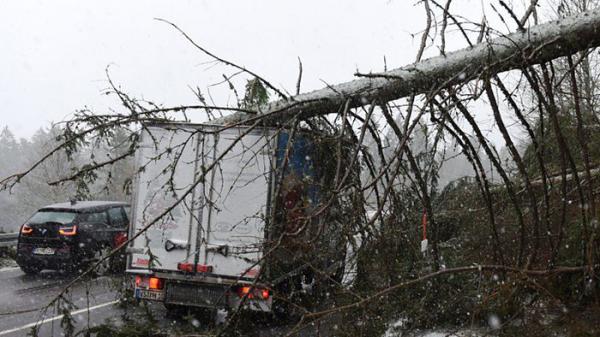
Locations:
81 206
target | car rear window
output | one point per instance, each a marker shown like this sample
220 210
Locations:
62 217
94 217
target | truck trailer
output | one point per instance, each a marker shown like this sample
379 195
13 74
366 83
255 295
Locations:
226 215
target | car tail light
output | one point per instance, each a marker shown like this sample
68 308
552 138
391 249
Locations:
26 229
250 292
67 230
119 239
189 267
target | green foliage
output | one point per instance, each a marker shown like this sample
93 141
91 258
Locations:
548 143
256 94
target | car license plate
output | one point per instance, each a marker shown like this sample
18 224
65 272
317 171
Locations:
149 294
44 251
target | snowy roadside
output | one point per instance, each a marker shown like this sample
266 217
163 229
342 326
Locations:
542 318
439 333
7 264
396 330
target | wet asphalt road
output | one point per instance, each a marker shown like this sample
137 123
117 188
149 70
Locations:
21 297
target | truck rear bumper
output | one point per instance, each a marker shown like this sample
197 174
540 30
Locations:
202 295
198 295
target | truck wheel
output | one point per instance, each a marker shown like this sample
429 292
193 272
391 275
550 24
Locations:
30 270
174 311
205 317
280 312
105 266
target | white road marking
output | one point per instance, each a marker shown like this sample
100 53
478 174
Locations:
47 320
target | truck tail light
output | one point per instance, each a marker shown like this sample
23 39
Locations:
152 282
186 267
189 267
156 283
245 291
68 230
251 292
202 268
26 229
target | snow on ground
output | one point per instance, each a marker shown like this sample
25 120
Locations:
395 330
438 333
7 264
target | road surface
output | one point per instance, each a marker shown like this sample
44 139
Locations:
21 297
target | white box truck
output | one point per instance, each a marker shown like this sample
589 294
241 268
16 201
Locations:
235 192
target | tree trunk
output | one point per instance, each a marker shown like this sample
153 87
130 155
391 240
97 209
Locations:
536 45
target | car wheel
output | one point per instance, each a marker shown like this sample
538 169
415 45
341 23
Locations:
31 270
104 265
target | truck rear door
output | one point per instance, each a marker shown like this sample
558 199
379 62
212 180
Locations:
168 164
240 183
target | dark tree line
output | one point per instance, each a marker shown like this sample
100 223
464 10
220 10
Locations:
38 188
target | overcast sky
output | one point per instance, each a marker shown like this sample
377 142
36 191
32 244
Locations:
54 53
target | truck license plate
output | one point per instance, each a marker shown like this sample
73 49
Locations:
43 251
149 294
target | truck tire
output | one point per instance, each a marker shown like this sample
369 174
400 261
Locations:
202 316
175 311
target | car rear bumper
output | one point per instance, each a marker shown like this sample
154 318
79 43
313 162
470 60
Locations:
62 259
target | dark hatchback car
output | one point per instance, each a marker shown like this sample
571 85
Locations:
71 236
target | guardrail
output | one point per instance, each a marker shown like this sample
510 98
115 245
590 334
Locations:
8 239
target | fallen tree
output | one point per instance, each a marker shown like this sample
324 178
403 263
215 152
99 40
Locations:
539 44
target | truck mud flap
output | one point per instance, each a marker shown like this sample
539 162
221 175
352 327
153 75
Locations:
196 295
